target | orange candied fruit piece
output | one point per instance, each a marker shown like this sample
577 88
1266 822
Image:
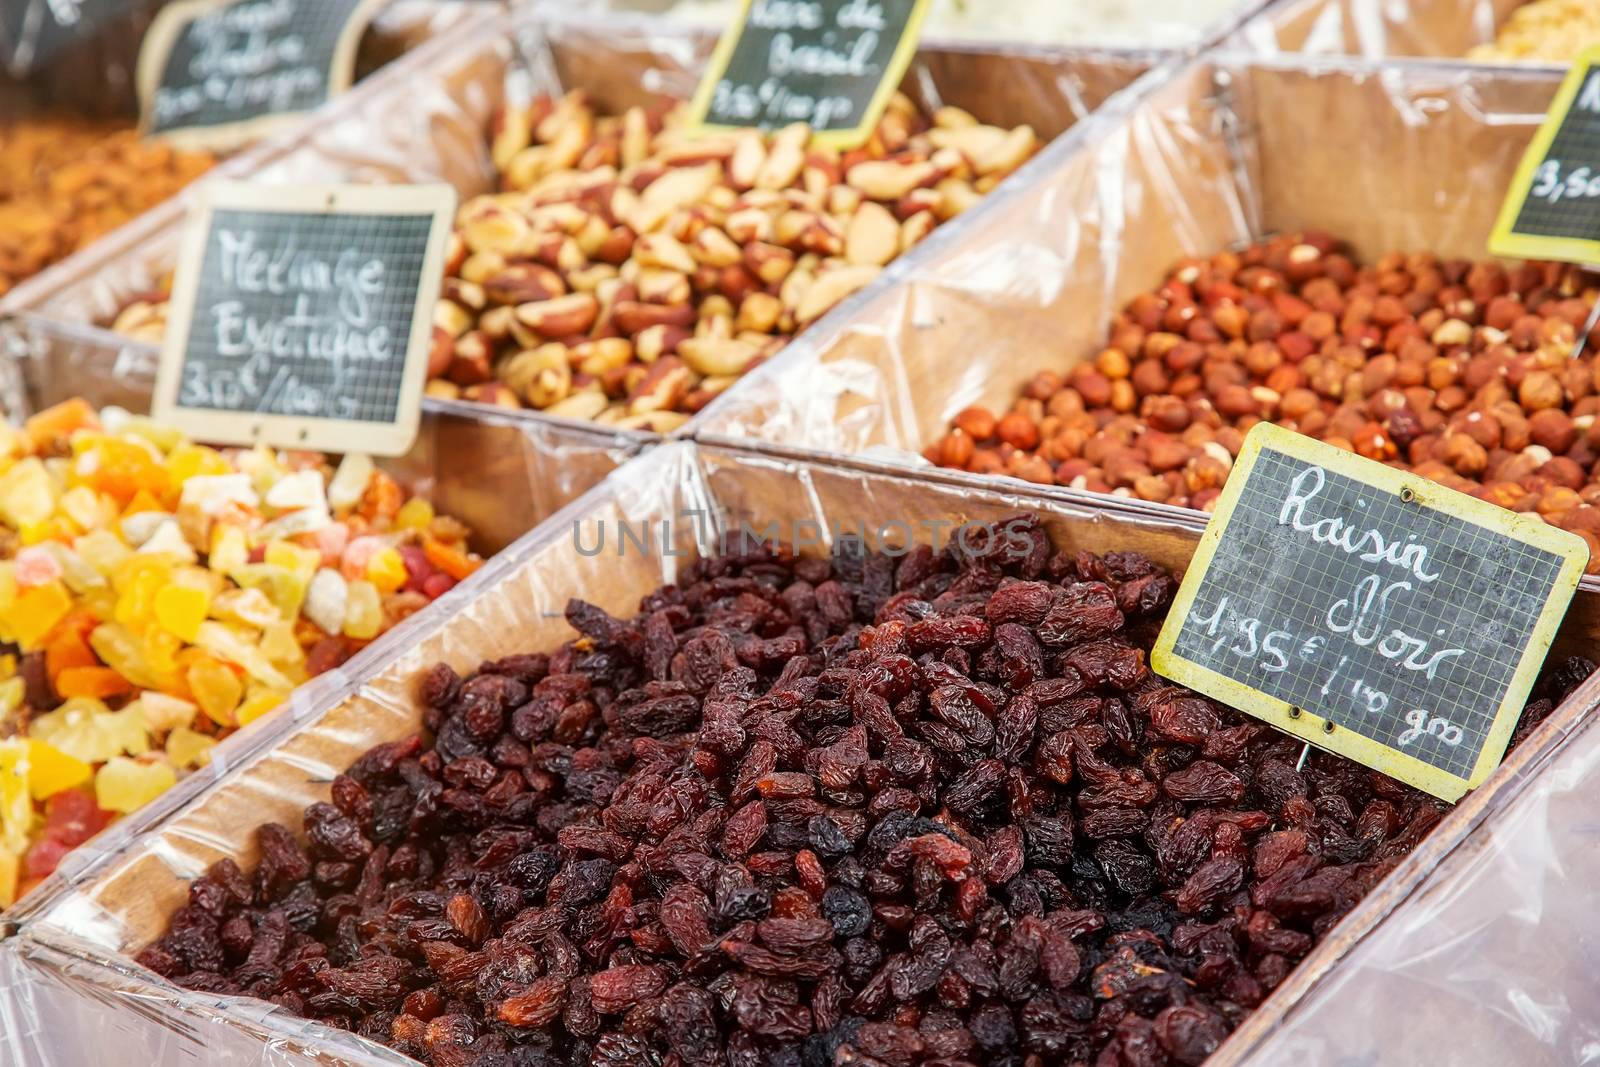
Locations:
454 562
68 645
99 683
384 497
59 422
125 470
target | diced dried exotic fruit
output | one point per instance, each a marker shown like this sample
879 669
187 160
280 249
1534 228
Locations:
153 599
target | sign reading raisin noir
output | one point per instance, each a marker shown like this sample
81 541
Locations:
1368 611
831 64
301 316
33 31
216 73
1552 207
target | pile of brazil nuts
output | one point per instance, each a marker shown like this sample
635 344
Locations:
932 811
1460 371
630 271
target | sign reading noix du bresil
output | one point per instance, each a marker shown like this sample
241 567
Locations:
218 73
33 31
1368 611
831 64
300 317
1552 206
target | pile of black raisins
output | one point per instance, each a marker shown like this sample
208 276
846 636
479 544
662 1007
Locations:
930 810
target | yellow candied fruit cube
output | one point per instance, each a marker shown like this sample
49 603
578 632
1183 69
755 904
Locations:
186 748
284 588
16 806
414 514
145 429
8 585
87 508
217 689
260 700
27 494
249 606
137 582
83 729
103 550
35 612
279 645
180 609
75 570
363 611
188 460
163 712
161 650
50 770
122 651
142 501
230 549
232 646
126 785
298 561
10 868
386 570
11 693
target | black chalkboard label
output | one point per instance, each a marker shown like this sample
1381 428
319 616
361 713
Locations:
32 32
1552 207
831 64
218 72
301 317
1369 611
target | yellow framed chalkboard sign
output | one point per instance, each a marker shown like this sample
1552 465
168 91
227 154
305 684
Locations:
219 74
301 316
830 64
1552 206
1368 611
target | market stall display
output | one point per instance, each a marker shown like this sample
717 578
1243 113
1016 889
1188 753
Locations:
627 724
758 658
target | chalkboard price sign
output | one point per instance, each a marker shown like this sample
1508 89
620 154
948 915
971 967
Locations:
832 64
217 73
1368 611
1552 207
33 31
301 316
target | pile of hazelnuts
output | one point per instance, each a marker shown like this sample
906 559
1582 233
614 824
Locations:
1463 372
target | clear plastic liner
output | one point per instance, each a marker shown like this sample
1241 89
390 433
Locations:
1410 158
67 984
1378 29
426 117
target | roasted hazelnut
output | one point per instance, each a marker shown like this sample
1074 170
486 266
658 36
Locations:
1552 428
1562 471
1168 414
976 422
1539 390
1018 431
1464 455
